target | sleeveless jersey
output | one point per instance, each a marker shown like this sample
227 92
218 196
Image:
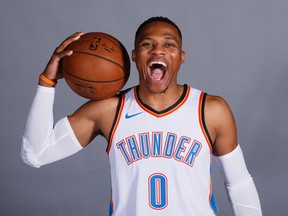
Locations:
161 161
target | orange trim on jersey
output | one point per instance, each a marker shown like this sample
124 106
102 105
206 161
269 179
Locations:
116 123
201 121
165 113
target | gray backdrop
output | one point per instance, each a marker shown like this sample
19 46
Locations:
236 49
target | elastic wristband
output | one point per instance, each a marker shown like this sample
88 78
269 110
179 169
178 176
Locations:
48 81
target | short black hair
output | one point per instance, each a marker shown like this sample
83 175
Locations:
156 19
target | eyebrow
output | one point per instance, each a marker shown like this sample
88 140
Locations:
170 38
166 38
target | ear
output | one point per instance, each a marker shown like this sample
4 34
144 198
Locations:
182 57
133 55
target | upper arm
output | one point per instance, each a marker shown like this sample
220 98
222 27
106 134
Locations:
221 125
93 118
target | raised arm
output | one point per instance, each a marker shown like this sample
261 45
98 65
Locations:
43 142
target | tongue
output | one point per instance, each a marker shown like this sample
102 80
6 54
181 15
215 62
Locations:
157 74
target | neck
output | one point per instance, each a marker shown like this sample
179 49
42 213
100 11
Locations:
160 101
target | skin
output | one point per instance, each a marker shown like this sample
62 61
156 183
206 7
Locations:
158 41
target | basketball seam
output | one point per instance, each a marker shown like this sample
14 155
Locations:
86 80
102 58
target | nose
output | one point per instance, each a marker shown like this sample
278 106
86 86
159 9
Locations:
158 50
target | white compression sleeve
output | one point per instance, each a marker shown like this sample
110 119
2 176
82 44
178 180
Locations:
43 144
239 184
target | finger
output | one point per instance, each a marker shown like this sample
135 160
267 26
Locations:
56 57
67 41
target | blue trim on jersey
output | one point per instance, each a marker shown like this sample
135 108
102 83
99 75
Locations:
213 203
110 209
111 204
212 198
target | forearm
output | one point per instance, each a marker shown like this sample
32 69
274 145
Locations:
239 184
40 118
42 143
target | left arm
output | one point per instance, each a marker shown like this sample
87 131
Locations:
239 184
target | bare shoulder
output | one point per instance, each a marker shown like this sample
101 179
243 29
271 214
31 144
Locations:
216 105
221 124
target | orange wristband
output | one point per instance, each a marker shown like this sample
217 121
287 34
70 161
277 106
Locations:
48 81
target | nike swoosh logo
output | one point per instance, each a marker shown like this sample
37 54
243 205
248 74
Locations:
127 116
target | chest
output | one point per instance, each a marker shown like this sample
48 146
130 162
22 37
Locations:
176 134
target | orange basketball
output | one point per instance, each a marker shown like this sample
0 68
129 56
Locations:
99 66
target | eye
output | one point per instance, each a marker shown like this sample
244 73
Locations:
170 45
146 44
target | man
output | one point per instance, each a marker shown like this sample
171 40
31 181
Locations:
160 134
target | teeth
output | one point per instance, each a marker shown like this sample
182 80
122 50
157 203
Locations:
158 62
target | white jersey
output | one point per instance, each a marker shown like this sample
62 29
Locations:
161 161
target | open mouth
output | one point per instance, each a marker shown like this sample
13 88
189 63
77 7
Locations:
158 70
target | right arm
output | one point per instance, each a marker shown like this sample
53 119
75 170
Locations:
43 142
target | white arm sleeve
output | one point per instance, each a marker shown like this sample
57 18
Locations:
42 143
239 184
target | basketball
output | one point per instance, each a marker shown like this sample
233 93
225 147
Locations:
99 66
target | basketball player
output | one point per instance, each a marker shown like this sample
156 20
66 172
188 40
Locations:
161 135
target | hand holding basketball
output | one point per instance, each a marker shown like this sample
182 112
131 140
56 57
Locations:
53 70
99 66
